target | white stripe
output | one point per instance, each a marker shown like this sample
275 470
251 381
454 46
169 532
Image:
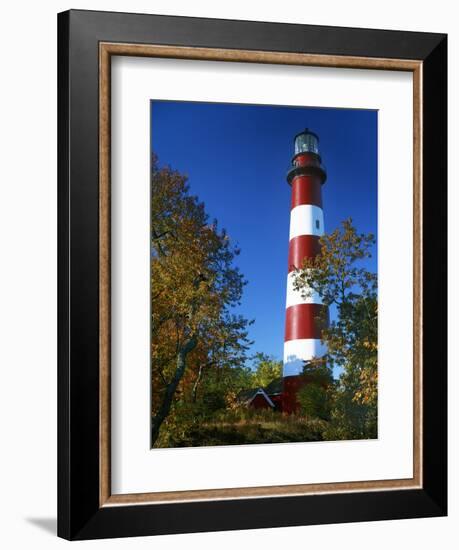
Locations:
306 219
294 297
296 352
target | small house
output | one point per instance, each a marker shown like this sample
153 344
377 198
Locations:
256 398
269 397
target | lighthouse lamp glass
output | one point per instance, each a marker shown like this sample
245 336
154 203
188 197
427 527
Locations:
306 143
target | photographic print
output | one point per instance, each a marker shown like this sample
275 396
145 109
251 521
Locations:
264 303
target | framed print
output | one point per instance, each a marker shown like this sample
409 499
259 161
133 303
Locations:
252 275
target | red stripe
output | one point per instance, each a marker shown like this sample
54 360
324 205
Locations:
301 247
307 159
306 190
305 321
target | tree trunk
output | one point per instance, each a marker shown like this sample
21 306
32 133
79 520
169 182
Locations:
165 407
194 392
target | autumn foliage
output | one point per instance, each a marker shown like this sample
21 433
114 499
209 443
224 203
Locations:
338 275
195 336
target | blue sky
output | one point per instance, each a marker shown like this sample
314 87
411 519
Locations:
236 158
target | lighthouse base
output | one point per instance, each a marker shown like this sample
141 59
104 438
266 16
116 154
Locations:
292 384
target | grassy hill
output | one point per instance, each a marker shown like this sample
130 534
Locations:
243 427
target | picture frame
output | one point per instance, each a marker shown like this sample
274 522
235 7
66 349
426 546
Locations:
87 40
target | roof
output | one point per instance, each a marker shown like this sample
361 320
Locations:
247 395
275 387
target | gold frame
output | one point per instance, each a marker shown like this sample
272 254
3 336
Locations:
106 51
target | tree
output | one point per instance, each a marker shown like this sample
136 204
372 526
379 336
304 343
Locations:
315 396
265 369
337 275
315 400
194 288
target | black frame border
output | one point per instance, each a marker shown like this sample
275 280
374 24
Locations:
79 514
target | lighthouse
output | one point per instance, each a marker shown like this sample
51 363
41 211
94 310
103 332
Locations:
304 315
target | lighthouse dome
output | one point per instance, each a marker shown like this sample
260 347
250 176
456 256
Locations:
306 142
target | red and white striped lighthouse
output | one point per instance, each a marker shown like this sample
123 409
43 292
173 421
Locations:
304 316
